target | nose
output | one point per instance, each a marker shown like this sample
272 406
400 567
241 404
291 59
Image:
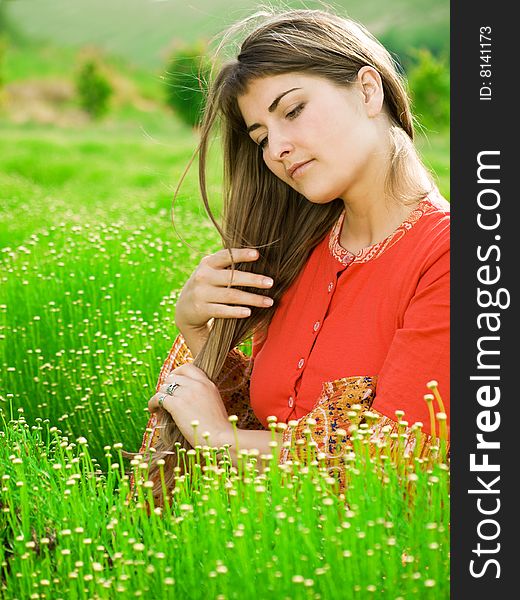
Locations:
279 147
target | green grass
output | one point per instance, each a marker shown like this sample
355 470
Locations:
88 249
230 532
112 170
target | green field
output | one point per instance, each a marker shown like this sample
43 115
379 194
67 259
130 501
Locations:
90 269
142 30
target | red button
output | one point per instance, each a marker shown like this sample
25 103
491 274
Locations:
300 363
291 402
331 285
316 326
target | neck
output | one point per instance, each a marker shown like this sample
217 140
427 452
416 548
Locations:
371 221
371 213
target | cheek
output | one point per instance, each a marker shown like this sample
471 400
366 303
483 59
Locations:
277 169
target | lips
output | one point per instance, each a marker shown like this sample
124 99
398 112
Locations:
292 170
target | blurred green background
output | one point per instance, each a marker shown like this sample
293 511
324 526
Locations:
142 30
58 118
91 152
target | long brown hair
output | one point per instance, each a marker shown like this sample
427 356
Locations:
261 211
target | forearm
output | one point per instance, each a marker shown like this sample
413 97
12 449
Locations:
249 439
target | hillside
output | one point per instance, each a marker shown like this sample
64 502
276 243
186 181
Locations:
143 30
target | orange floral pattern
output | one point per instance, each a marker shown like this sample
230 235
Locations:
330 414
329 431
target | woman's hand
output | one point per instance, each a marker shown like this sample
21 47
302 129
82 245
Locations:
208 293
194 398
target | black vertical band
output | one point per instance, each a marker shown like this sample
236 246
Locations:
484 327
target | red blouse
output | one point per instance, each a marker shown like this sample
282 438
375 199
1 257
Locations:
382 313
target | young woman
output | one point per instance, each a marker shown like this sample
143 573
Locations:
336 253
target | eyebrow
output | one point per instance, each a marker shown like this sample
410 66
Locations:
272 108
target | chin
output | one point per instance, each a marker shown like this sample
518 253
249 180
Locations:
320 198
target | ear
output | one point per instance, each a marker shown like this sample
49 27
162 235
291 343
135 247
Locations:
371 86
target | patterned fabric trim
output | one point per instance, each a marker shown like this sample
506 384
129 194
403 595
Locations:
233 384
332 412
178 355
375 250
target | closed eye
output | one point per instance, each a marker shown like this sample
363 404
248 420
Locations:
290 115
295 111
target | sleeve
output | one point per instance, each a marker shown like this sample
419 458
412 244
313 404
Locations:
233 384
420 350
327 430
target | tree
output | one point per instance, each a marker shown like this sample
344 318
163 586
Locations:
429 81
187 74
93 88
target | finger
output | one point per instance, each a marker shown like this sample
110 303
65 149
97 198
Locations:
162 399
228 277
240 298
224 311
170 386
158 401
184 374
154 405
222 258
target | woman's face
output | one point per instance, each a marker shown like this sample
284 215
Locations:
319 138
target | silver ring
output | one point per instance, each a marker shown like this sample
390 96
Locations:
160 401
171 388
